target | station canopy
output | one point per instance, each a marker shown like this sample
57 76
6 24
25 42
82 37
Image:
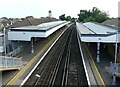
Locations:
40 27
27 32
95 32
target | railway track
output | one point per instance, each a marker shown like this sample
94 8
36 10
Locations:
62 65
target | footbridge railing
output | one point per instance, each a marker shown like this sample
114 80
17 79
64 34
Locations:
10 63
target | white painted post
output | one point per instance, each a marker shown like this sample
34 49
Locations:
4 41
98 52
32 50
119 52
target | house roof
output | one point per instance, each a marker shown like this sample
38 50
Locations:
115 22
40 27
30 21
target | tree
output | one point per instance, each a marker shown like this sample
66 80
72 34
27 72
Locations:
68 18
62 17
82 15
93 15
73 19
90 18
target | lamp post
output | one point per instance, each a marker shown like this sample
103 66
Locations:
115 64
115 60
116 48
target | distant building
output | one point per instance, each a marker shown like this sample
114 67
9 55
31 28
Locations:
114 22
30 20
5 22
1 43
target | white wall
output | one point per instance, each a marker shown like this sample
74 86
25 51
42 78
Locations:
104 39
1 49
24 35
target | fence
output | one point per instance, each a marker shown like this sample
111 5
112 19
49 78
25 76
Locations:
12 62
15 52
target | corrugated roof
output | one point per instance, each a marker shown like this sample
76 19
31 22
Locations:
43 26
102 34
26 33
83 29
98 28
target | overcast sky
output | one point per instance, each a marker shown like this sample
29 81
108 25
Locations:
40 8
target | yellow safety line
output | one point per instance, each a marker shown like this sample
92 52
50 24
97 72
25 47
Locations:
117 58
28 64
96 68
8 57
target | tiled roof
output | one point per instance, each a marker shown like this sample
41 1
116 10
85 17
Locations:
24 22
112 22
28 21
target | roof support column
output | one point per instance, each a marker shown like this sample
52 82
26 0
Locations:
98 52
32 48
119 53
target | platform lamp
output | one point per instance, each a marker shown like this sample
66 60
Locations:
114 76
115 60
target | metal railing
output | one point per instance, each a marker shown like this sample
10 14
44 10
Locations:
10 62
15 52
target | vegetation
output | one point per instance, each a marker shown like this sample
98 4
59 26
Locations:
93 15
67 18
2 27
62 17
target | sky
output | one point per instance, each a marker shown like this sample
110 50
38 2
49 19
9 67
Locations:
40 8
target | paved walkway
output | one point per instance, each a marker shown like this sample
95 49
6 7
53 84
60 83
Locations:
104 64
93 73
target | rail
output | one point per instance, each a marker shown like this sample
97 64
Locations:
28 76
61 65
